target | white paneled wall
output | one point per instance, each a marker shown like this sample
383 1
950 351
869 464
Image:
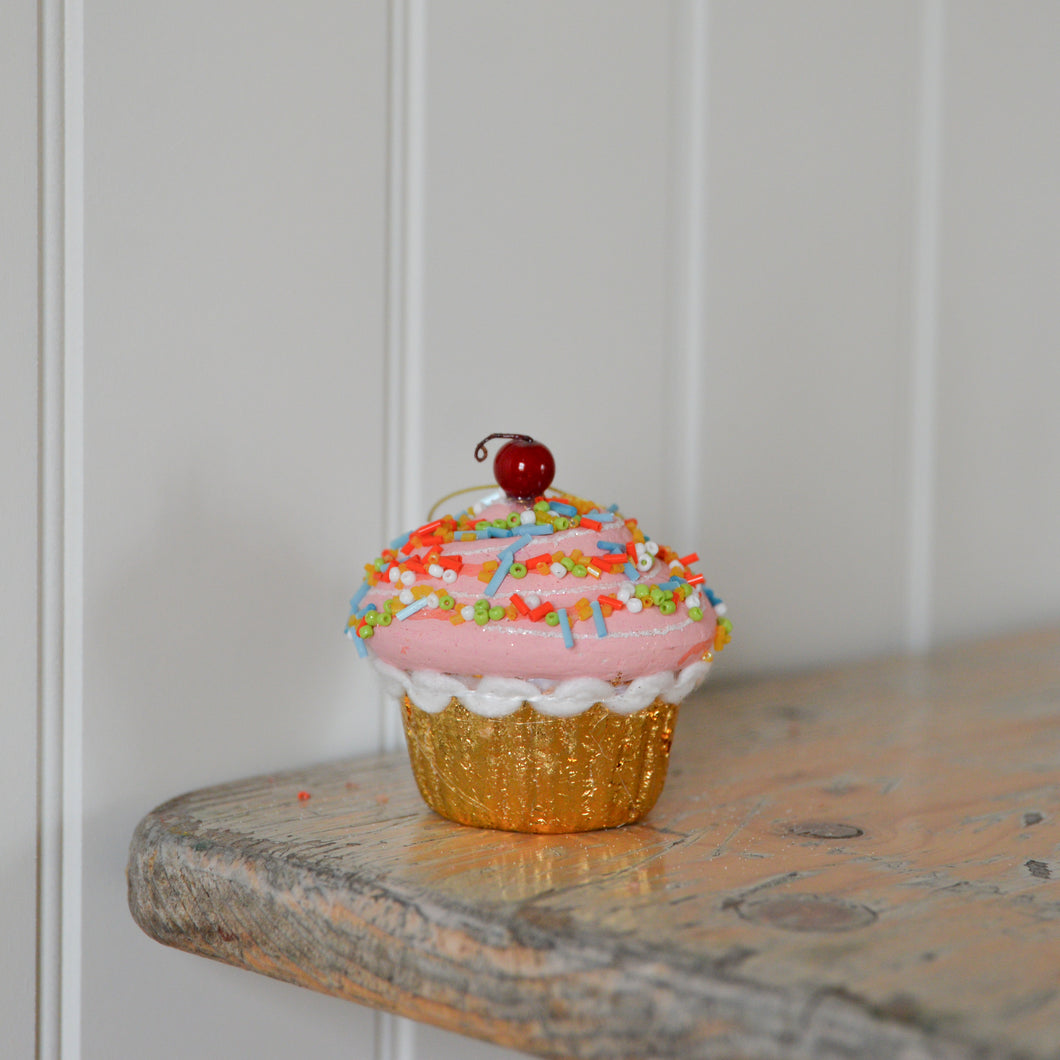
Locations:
781 278
18 522
998 504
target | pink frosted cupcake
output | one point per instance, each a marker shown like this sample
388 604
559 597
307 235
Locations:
540 644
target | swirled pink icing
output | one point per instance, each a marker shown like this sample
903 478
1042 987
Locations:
612 644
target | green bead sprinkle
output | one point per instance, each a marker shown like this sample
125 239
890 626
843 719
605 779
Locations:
578 570
567 562
517 570
372 617
561 523
725 624
384 619
541 506
365 632
446 602
514 519
500 524
482 605
496 613
482 617
552 618
667 607
696 614
641 592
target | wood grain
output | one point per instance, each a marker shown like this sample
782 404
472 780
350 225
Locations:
862 862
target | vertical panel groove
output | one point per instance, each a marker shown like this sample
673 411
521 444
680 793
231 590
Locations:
688 235
61 359
924 346
403 457
403 369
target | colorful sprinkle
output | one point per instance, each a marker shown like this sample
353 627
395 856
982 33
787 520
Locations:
411 609
598 618
499 575
564 623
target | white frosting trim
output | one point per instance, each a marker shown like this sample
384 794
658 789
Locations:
496 697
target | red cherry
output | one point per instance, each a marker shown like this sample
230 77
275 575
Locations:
523 467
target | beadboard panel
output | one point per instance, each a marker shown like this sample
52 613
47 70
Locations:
809 219
235 232
998 505
18 521
545 307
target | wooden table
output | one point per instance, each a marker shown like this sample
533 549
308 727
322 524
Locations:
858 863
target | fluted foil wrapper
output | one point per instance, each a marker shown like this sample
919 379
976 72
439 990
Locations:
531 772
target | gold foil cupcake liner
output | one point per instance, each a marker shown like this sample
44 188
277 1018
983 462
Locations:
532 772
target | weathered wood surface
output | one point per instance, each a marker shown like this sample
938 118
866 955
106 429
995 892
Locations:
855 863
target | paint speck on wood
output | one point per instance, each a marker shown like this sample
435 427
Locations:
836 876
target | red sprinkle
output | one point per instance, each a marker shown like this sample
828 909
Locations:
520 604
696 579
613 601
540 611
592 524
303 795
428 527
687 561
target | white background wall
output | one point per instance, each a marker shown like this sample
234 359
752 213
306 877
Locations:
780 277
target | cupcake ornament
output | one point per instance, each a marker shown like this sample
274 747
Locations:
540 645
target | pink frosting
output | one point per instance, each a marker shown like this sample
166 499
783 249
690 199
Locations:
636 645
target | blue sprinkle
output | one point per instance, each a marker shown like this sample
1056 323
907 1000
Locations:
672 583
564 625
364 610
416 605
598 618
496 531
631 572
398 542
563 509
362 648
712 597
601 517
355 600
499 574
537 529
516 545
613 508
610 546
